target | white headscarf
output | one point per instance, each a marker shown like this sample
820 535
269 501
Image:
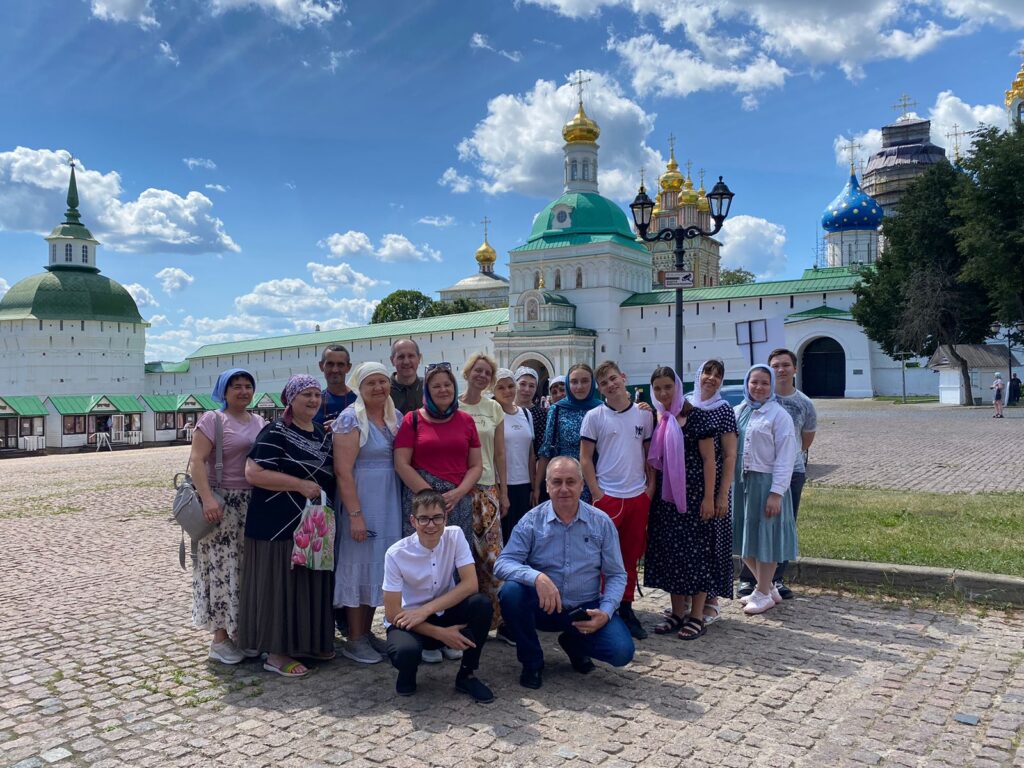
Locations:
504 373
695 397
356 377
556 380
525 370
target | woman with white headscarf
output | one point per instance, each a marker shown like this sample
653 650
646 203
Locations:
370 508
763 527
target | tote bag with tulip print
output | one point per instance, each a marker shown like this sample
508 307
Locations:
313 540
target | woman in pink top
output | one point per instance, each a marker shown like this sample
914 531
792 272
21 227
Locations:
215 569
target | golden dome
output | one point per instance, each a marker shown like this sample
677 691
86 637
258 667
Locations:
672 179
485 254
1017 89
657 205
689 195
581 128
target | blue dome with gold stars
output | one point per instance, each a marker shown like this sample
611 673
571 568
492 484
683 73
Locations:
852 209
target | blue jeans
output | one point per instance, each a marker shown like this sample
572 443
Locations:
521 612
796 487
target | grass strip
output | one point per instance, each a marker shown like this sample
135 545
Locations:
977 532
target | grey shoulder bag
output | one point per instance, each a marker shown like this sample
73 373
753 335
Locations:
187 509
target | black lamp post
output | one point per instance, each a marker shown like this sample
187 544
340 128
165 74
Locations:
1017 327
720 199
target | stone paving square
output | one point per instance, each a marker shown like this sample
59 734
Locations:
99 665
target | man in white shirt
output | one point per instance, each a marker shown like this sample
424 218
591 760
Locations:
621 484
425 608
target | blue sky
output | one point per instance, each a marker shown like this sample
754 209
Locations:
257 167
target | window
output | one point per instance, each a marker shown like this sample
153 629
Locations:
85 254
579 277
53 252
586 170
558 279
536 284
68 253
32 427
165 421
573 170
74 425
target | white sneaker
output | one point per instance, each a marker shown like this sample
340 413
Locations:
225 652
776 597
452 654
759 603
361 651
431 657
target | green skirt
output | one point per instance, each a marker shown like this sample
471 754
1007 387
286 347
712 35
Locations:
767 539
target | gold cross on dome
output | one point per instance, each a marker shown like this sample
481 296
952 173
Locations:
689 166
850 148
578 84
672 143
485 222
642 170
956 134
903 104
701 172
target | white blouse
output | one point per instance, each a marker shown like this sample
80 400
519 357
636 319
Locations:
769 444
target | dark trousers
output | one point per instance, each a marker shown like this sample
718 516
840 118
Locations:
405 646
518 505
523 616
796 487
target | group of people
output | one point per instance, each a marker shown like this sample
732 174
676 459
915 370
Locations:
463 514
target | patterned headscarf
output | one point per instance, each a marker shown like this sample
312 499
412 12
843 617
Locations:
220 389
695 397
524 370
428 403
504 373
666 451
556 380
356 377
300 382
755 404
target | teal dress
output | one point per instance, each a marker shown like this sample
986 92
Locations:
766 539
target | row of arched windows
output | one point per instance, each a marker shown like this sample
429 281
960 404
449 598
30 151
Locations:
558 279
69 253
574 169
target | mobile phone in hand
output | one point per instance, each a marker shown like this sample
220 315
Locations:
580 614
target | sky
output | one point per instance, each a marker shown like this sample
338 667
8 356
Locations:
261 167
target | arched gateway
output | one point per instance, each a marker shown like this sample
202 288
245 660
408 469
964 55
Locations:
823 369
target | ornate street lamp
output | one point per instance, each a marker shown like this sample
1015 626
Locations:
720 200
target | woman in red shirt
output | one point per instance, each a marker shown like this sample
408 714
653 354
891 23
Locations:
437 446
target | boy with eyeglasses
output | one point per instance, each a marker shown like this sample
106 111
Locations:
423 606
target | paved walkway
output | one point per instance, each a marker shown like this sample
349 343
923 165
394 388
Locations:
99 667
920 447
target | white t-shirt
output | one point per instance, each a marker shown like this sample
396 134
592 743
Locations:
422 574
518 439
619 438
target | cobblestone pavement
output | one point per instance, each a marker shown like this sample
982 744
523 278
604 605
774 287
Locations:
924 447
101 667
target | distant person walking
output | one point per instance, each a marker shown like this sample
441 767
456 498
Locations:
1014 390
997 397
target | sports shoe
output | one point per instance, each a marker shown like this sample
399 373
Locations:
776 597
785 592
471 685
758 603
746 589
452 654
431 656
226 653
378 644
361 651
633 624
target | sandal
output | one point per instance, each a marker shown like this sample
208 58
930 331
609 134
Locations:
287 670
712 613
692 628
667 613
672 623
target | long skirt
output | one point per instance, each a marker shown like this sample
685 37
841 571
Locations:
216 568
285 610
766 539
486 543
461 516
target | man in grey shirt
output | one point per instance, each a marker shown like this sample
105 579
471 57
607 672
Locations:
552 567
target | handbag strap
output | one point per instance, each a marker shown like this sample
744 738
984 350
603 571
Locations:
218 467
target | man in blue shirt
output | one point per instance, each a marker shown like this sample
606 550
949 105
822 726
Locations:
552 567
335 364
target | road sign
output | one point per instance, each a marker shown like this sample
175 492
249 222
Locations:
679 279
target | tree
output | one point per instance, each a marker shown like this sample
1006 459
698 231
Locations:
401 305
991 234
438 308
738 276
917 296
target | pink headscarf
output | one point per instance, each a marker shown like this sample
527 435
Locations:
666 451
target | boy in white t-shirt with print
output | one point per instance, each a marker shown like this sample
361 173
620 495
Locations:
621 484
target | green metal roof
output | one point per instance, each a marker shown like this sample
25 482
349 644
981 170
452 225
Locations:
69 294
830 313
77 405
556 298
549 332
274 398
172 403
26 405
818 272
442 324
164 367
593 219
747 291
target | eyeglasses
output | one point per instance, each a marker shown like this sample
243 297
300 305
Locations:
441 366
433 520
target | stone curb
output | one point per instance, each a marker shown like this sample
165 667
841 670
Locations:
971 585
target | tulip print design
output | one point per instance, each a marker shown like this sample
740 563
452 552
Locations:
313 540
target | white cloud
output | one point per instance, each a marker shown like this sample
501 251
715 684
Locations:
518 145
351 243
173 279
290 185
479 42
4 286
199 162
341 275
134 11
335 59
867 143
398 248
437 221
168 53
33 184
458 183
157 320
142 295
294 13
215 187
754 244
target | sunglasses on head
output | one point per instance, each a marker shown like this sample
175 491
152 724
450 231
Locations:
439 366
